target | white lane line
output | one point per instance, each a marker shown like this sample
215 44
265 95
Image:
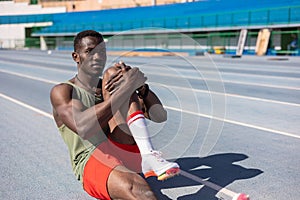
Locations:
188 112
169 86
193 77
43 113
29 77
229 95
198 69
222 66
223 193
40 66
225 81
184 173
234 122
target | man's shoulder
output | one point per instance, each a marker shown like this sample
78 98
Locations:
62 86
61 89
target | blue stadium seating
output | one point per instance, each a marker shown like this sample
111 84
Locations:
201 14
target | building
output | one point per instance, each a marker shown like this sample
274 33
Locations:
212 26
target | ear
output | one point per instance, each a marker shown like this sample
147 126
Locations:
76 57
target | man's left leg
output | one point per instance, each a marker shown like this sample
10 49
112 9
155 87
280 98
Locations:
152 162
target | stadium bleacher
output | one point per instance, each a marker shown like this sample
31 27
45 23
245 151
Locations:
192 17
195 15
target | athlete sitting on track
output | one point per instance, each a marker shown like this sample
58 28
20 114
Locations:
103 124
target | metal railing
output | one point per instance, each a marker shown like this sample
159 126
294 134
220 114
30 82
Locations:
261 17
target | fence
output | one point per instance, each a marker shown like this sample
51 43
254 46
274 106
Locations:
191 43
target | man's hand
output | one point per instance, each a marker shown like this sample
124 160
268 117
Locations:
121 81
115 81
126 77
134 79
121 65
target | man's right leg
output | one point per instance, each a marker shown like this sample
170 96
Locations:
105 177
123 184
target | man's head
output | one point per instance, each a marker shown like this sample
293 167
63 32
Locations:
89 52
78 38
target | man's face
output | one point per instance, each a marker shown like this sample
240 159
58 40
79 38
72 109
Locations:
91 56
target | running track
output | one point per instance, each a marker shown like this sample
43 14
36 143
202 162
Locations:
233 123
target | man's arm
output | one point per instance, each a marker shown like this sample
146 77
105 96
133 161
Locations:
88 121
72 113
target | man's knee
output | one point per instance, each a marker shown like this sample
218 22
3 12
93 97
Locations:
138 187
108 73
141 188
129 186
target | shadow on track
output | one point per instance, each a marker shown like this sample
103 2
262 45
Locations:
219 169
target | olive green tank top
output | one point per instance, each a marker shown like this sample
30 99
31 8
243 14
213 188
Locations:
79 149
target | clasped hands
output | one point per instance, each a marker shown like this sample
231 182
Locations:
125 78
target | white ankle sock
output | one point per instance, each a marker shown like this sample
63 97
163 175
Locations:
138 128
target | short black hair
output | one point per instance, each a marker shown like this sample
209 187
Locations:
83 34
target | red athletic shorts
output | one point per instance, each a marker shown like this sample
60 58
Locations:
103 160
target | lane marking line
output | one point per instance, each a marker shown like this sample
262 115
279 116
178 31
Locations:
190 112
225 81
229 95
184 173
221 190
235 122
169 86
43 113
39 66
29 77
196 78
226 66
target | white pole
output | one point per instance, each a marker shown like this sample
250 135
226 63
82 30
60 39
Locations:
153 2
43 44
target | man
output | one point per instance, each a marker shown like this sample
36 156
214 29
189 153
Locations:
103 124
